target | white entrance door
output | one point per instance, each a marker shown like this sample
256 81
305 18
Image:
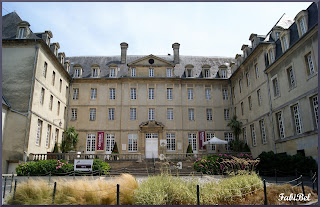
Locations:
151 145
109 144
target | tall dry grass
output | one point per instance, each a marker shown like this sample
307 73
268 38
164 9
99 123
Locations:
76 192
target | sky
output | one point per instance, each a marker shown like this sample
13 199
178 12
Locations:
202 29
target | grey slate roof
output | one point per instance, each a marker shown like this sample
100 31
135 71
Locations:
105 61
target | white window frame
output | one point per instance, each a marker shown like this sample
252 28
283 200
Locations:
95 72
39 132
112 73
151 114
208 93
48 136
74 114
225 94
209 114
169 72
170 114
302 26
91 143
77 73
21 33
169 93
191 114
310 64
226 114
110 142
190 93
171 142
296 114
133 114
275 86
92 114
271 55
133 72
133 93
256 70
253 135
111 112
112 93
291 77
151 93
210 135
207 73
151 72
259 97
223 73
228 136
244 134
192 140
75 94
280 123
285 43
132 142
45 68
93 93
314 101
263 131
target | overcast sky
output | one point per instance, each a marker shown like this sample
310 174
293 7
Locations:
202 29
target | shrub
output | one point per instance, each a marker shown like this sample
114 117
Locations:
285 163
100 165
43 167
189 150
115 148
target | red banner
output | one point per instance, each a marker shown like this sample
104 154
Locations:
202 139
100 141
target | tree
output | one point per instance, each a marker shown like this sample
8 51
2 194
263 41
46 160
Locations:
70 140
189 150
115 148
55 148
236 126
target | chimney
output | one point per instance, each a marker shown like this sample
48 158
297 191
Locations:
124 47
176 47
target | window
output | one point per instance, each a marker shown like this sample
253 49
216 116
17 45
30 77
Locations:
133 93
244 134
42 96
291 79
206 73
91 143
74 113
285 43
58 110
297 119
133 114
208 93
228 137
277 35
314 100
169 72
77 73
209 136
280 125
169 93
192 140
309 63
223 74
302 26
133 72
275 84
75 94
151 93
256 70
111 113
44 73
253 135
56 136
189 73
171 141
250 103
226 114
259 97
248 78
48 136
225 94
92 115
190 93
263 132
94 72
60 86
152 136
112 73
112 93
271 56
209 114
110 141
51 102
242 108
53 77
151 114
151 72
39 129
21 34
191 114
240 85
93 94
132 142
170 114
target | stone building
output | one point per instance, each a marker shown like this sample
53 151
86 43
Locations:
141 102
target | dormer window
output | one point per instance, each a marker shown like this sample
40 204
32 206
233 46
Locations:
56 51
302 26
189 73
151 72
21 34
284 41
112 73
77 73
94 73
206 73
48 40
169 72
223 73
271 53
277 35
302 22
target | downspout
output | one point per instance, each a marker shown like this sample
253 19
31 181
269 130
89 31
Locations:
231 97
270 114
68 105
30 100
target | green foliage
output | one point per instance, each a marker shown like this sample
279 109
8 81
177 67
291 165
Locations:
55 148
238 145
236 126
43 167
100 165
115 148
189 150
70 140
286 163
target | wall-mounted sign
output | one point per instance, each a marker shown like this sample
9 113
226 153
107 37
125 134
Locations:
202 137
83 165
100 141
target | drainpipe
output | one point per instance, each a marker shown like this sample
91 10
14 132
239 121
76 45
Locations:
231 97
68 104
30 100
270 114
